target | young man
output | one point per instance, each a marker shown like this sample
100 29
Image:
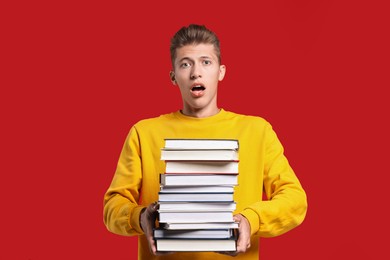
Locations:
129 207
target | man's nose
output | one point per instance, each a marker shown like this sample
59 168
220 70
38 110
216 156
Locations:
195 72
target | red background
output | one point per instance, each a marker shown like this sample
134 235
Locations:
77 74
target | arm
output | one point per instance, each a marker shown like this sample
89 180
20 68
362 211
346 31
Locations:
121 209
287 203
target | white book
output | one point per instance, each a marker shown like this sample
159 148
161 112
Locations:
195 217
193 233
201 167
193 143
196 189
186 226
196 197
196 245
197 206
198 179
199 155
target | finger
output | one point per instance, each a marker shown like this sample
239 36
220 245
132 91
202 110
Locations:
241 249
152 246
152 208
243 244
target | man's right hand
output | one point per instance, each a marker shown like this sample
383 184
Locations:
147 221
148 218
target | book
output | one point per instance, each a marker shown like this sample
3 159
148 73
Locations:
196 245
193 233
194 217
198 179
201 167
203 155
197 206
196 189
191 143
186 226
196 197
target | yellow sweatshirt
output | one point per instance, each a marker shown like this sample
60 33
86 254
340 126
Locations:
262 168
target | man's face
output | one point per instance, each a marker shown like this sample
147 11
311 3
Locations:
197 73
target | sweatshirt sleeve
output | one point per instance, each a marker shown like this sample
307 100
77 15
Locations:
121 209
286 206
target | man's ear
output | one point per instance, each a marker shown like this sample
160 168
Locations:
173 78
222 71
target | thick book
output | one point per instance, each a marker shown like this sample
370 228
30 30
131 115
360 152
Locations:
201 167
197 206
186 226
196 245
193 233
199 155
196 189
196 197
194 217
198 179
191 143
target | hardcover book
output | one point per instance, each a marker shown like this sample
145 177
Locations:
199 155
197 206
196 245
196 197
197 189
213 167
172 143
198 179
195 217
194 233
186 226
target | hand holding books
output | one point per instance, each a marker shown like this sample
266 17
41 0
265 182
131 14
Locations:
244 236
148 218
169 239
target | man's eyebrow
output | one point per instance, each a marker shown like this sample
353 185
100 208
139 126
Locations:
191 59
184 58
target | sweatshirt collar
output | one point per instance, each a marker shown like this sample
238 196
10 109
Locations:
220 114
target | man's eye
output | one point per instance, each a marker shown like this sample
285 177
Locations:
185 65
206 62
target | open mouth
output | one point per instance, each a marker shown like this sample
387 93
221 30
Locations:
198 88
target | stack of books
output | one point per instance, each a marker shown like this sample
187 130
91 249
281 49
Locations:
196 195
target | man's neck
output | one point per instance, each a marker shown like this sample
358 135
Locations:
201 113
